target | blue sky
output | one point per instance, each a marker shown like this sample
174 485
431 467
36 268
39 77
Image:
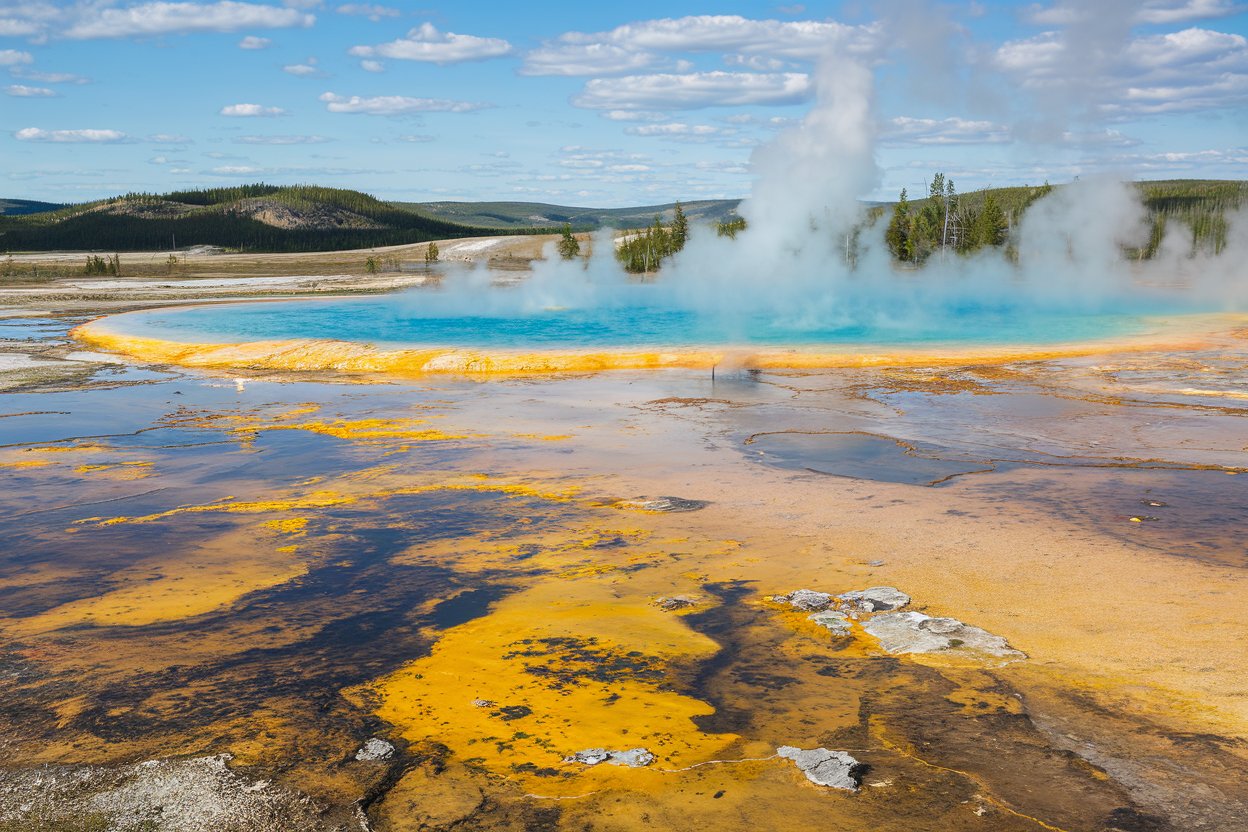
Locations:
603 104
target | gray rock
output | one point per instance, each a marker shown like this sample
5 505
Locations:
807 600
667 505
836 622
633 758
834 769
875 599
914 632
375 749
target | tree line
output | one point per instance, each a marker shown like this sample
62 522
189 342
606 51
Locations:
643 251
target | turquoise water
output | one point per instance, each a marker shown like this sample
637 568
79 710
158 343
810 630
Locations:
388 321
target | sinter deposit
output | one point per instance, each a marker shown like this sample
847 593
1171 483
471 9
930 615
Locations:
834 769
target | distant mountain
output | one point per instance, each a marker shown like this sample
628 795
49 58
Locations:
261 218
514 216
14 207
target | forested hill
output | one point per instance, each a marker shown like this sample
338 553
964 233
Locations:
541 215
14 207
1191 212
262 218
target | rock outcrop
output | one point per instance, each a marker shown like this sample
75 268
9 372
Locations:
375 749
633 758
914 632
667 505
834 769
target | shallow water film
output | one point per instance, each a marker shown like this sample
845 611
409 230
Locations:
574 602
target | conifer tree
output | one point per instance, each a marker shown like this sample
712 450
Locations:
680 228
568 245
898 234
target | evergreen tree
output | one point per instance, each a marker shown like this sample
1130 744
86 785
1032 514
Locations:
680 228
898 234
568 245
990 224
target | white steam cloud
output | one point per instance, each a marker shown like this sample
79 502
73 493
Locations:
797 267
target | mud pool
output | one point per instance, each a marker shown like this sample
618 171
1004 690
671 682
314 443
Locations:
281 569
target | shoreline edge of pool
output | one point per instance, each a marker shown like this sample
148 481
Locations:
1174 332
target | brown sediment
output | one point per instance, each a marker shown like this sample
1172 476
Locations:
313 355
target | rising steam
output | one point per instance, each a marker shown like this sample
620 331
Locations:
792 266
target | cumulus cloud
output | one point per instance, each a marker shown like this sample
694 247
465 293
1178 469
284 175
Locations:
23 91
903 130
253 42
391 105
694 90
677 129
1151 12
372 11
251 111
1189 70
234 170
148 19
37 134
1167 11
282 140
639 45
587 59
11 57
304 69
426 43
372 66
48 77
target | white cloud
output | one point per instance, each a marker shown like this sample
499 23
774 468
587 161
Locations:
639 45
426 43
251 111
23 91
947 131
372 66
1068 12
235 170
389 105
1185 71
14 28
11 57
674 129
164 18
694 90
49 77
170 138
372 11
1167 11
416 138
634 115
302 70
36 134
282 140
586 59
253 42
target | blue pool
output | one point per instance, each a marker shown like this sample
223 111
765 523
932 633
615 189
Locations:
398 321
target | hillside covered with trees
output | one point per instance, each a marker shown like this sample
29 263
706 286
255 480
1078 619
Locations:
259 218
944 220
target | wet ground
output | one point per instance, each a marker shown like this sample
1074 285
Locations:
281 569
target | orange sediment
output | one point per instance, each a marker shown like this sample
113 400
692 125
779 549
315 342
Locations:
318 355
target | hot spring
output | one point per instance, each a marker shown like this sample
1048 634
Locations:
382 322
